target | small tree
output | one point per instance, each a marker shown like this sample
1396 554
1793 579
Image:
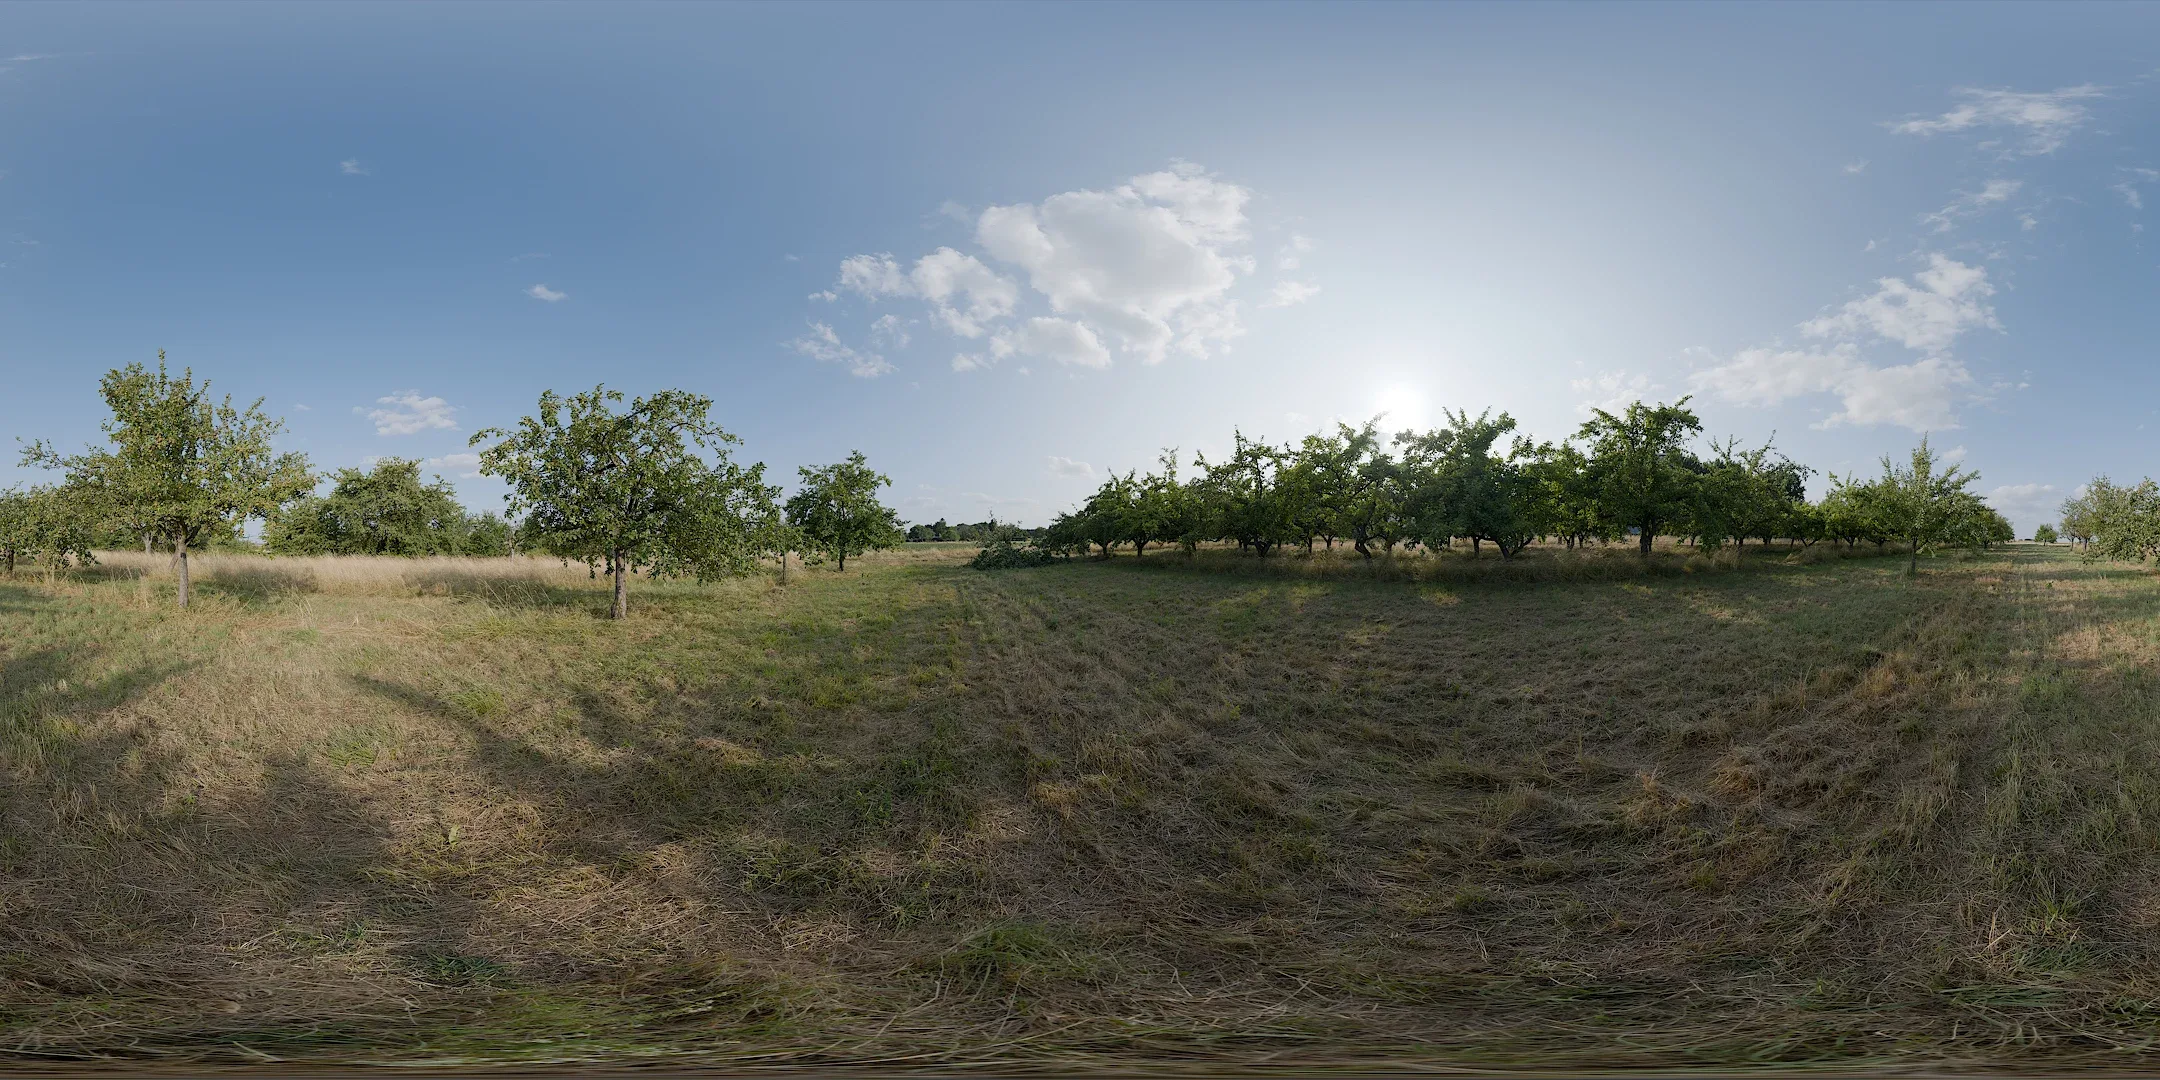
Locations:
180 465
45 523
631 489
385 510
1923 503
2045 534
1642 471
837 511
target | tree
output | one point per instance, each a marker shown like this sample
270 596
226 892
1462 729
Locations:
1922 503
180 465
632 489
1639 464
838 513
2045 534
43 523
1459 487
385 510
2077 515
1245 496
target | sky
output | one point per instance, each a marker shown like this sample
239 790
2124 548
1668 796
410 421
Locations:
1005 250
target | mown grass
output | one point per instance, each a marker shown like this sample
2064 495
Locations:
1096 812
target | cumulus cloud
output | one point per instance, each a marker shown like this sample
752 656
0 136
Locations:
464 466
824 345
542 292
1926 316
2044 120
1948 299
1065 466
2029 505
1292 293
407 413
1612 391
1062 340
1143 269
1969 204
887 331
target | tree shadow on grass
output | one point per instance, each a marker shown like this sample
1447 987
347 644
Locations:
506 592
257 585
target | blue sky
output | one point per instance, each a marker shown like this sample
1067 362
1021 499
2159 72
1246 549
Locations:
1005 249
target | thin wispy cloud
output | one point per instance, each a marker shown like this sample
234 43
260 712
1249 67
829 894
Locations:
1855 168
407 413
1971 204
2042 122
823 345
542 292
352 167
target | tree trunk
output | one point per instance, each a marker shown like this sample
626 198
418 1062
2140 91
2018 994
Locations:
146 543
842 568
11 562
1648 535
783 566
620 572
180 561
1912 564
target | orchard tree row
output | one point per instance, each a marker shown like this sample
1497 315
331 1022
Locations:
644 487
2114 521
1637 472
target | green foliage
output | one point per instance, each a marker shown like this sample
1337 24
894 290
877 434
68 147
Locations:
1639 464
837 513
648 488
44 523
385 510
2045 534
1926 504
2121 522
179 466
1457 485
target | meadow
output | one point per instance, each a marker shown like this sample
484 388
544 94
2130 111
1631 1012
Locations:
1766 809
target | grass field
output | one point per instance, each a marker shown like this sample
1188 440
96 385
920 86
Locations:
442 811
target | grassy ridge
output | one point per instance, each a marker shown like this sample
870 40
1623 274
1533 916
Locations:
437 812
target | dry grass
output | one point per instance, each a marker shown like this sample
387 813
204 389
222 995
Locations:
379 810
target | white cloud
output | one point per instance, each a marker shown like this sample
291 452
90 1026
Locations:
2047 120
2027 222
1951 299
955 211
2029 505
1613 391
944 275
1065 466
465 466
823 345
409 413
1924 394
1955 454
1855 168
1148 262
888 332
1143 269
303 408
351 167
1293 253
1290 293
1969 204
1062 340
542 292
2129 189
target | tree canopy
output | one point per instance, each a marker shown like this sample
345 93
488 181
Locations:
836 511
649 488
384 510
179 464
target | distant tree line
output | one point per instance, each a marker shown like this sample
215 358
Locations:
978 532
645 488
1636 473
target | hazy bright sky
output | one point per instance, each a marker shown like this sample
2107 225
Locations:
1003 249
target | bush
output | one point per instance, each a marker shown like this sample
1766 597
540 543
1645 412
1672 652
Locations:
1003 554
